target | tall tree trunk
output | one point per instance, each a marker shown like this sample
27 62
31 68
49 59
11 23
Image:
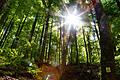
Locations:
89 48
60 33
6 32
3 28
46 30
63 48
76 46
85 44
50 42
69 49
41 38
106 44
33 27
37 56
45 37
19 32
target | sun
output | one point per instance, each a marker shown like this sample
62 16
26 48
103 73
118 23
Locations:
71 17
72 20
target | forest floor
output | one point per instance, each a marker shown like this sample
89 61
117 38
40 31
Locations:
7 74
72 72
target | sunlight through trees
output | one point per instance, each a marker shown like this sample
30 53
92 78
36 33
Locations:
60 39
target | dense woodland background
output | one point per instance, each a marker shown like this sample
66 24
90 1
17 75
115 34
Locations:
31 34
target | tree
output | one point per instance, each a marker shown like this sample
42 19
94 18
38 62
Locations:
106 44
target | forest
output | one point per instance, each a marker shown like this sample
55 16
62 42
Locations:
59 40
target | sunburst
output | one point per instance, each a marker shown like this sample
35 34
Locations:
71 17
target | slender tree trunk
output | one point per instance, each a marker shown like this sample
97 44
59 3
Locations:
37 57
71 54
106 44
89 48
20 29
60 45
33 27
76 45
41 38
45 37
19 32
50 42
63 48
85 45
69 49
3 27
6 32
46 28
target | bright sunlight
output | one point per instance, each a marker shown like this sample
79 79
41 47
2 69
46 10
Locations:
72 19
71 16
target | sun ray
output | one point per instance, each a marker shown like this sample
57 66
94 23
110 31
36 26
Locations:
71 16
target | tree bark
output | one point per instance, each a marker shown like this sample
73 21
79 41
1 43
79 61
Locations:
106 44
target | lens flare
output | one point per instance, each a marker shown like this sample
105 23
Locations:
72 20
72 17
